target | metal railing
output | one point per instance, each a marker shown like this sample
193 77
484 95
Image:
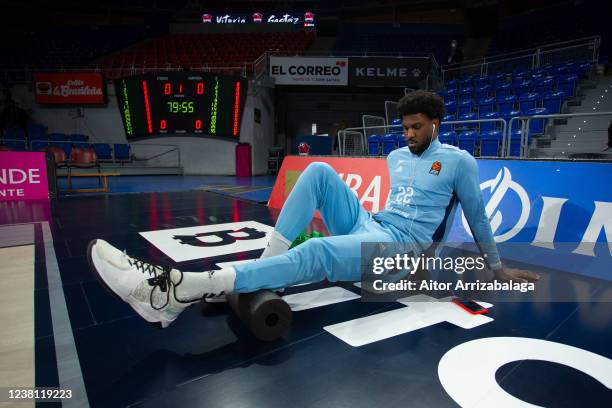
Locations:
583 48
152 155
526 122
362 133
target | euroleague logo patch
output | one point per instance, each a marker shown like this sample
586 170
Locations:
436 167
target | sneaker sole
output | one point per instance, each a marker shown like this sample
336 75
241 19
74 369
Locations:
99 278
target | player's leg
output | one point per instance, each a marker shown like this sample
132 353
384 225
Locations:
160 294
318 188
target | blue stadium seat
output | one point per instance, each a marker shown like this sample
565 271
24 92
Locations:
567 84
374 142
544 84
465 106
498 77
448 94
515 143
401 140
465 82
445 127
490 143
537 126
553 101
503 89
486 105
453 83
488 126
103 151
448 138
560 70
396 122
480 81
522 87
528 101
467 141
483 91
122 152
466 126
506 104
509 115
450 107
583 69
389 142
465 93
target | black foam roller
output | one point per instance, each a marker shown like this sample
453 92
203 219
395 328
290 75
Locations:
266 315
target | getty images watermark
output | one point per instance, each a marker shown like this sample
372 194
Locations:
394 271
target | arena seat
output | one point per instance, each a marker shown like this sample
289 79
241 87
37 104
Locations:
522 86
122 152
389 143
503 90
568 84
486 105
552 101
488 126
450 107
483 91
466 106
467 141
515 143
374 142
465 93
103 151
460 127
537 126
448 138
506 104
490 143
545 84
83 158
512 114
528 101
59 156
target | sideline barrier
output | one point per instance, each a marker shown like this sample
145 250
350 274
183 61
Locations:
560 211
23 176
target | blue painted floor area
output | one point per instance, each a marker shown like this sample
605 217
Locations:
159 184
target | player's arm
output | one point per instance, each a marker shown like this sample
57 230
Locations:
467 188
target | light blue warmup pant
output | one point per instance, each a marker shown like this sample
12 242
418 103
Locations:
337 257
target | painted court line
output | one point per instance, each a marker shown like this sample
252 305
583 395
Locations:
319 298
68 366
421 311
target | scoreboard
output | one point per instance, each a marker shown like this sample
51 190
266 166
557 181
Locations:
178 103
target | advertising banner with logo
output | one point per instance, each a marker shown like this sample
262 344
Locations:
559 212
23 176
305 19
388 72
74 88
309 71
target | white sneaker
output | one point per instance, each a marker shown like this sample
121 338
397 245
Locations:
149 289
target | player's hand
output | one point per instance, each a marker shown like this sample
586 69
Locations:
516 275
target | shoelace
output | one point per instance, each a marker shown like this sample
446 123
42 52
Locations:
162 280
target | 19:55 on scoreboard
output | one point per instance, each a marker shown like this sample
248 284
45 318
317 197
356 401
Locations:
181 103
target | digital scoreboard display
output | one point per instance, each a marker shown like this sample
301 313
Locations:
181 103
